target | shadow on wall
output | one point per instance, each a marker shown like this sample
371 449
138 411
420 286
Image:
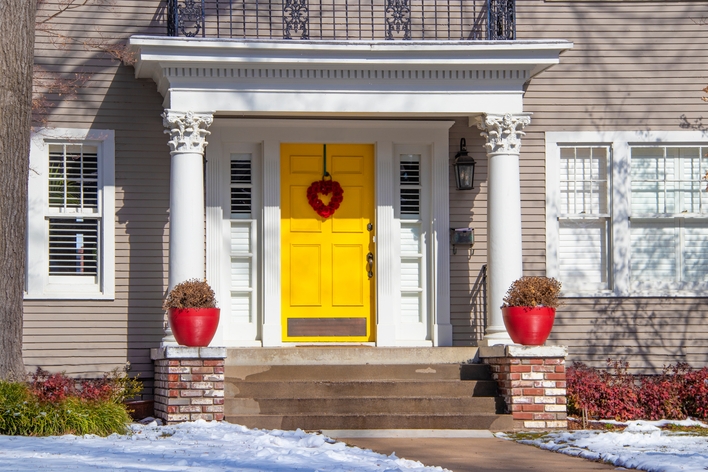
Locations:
142 202
649 333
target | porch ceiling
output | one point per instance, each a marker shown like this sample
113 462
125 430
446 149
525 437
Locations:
347 78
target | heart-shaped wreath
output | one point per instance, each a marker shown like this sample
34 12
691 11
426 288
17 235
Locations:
325 187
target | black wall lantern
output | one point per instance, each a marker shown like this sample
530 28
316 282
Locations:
464 168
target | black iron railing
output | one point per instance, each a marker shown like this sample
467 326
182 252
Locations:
344 19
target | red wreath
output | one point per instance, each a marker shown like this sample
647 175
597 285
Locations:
325 187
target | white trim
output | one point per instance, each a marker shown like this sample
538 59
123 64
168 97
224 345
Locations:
383 134
620 143
38 281
351 78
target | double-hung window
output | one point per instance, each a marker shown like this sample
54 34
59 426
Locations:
71 215
627 213
669 216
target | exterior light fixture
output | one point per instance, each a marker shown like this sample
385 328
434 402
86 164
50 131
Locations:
464 168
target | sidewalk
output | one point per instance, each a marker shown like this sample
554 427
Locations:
477 454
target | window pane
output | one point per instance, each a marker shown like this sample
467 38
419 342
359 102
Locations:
668 180
583 180
410 184
695 240
73 246
583 253
241 188
653 251
73 176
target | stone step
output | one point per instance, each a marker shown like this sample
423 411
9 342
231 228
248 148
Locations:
362 405
422 372
315 422
335 389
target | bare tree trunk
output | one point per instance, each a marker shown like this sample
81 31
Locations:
17 21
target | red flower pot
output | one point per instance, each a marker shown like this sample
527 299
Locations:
194 327
529 325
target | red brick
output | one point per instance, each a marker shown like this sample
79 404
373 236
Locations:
173 377
536 361
173 363
560 368
561 385
218 401
522 416
213 363
172 409
218 370
218 417
521 368
177 385
218 385
533 391
533 407
555 376
561 400
515 376
554 361
517 407
173 393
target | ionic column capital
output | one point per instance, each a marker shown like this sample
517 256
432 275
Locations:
503 132
187 130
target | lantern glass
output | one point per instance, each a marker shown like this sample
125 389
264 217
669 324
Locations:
464 174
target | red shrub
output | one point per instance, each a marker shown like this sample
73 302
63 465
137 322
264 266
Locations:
51 387
616 394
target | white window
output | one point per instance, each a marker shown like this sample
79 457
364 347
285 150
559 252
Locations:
627 213
71 215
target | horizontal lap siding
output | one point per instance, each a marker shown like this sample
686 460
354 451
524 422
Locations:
636 66
649 333
89 338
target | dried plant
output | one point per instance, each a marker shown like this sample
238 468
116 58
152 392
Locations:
533 291
193 293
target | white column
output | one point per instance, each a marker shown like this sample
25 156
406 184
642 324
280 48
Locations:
188 133
504 262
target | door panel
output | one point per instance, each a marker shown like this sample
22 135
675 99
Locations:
326 292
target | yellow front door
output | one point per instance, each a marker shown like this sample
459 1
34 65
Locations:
327 263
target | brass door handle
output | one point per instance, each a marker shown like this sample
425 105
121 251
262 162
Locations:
370 264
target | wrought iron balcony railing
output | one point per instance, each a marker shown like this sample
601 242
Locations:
344 19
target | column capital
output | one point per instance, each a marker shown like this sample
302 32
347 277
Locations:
187 130
503 132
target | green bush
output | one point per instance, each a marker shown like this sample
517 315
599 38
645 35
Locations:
51 405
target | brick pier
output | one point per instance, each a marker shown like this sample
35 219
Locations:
532 381
189 383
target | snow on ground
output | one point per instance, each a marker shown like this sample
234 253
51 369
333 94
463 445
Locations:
203 446
642 445
198 446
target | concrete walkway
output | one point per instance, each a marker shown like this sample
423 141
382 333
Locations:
477 454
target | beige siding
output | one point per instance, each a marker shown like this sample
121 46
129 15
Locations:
88 338
634 66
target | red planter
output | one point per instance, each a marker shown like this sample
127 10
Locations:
528 325
194 327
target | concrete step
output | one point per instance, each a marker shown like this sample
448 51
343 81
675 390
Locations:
423 372
315 422
335 389
349 355
363 405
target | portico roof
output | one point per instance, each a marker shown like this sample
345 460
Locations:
349 78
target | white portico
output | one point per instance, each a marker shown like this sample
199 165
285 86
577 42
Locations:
254 96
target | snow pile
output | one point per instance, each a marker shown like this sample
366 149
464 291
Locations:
642 445
198 446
